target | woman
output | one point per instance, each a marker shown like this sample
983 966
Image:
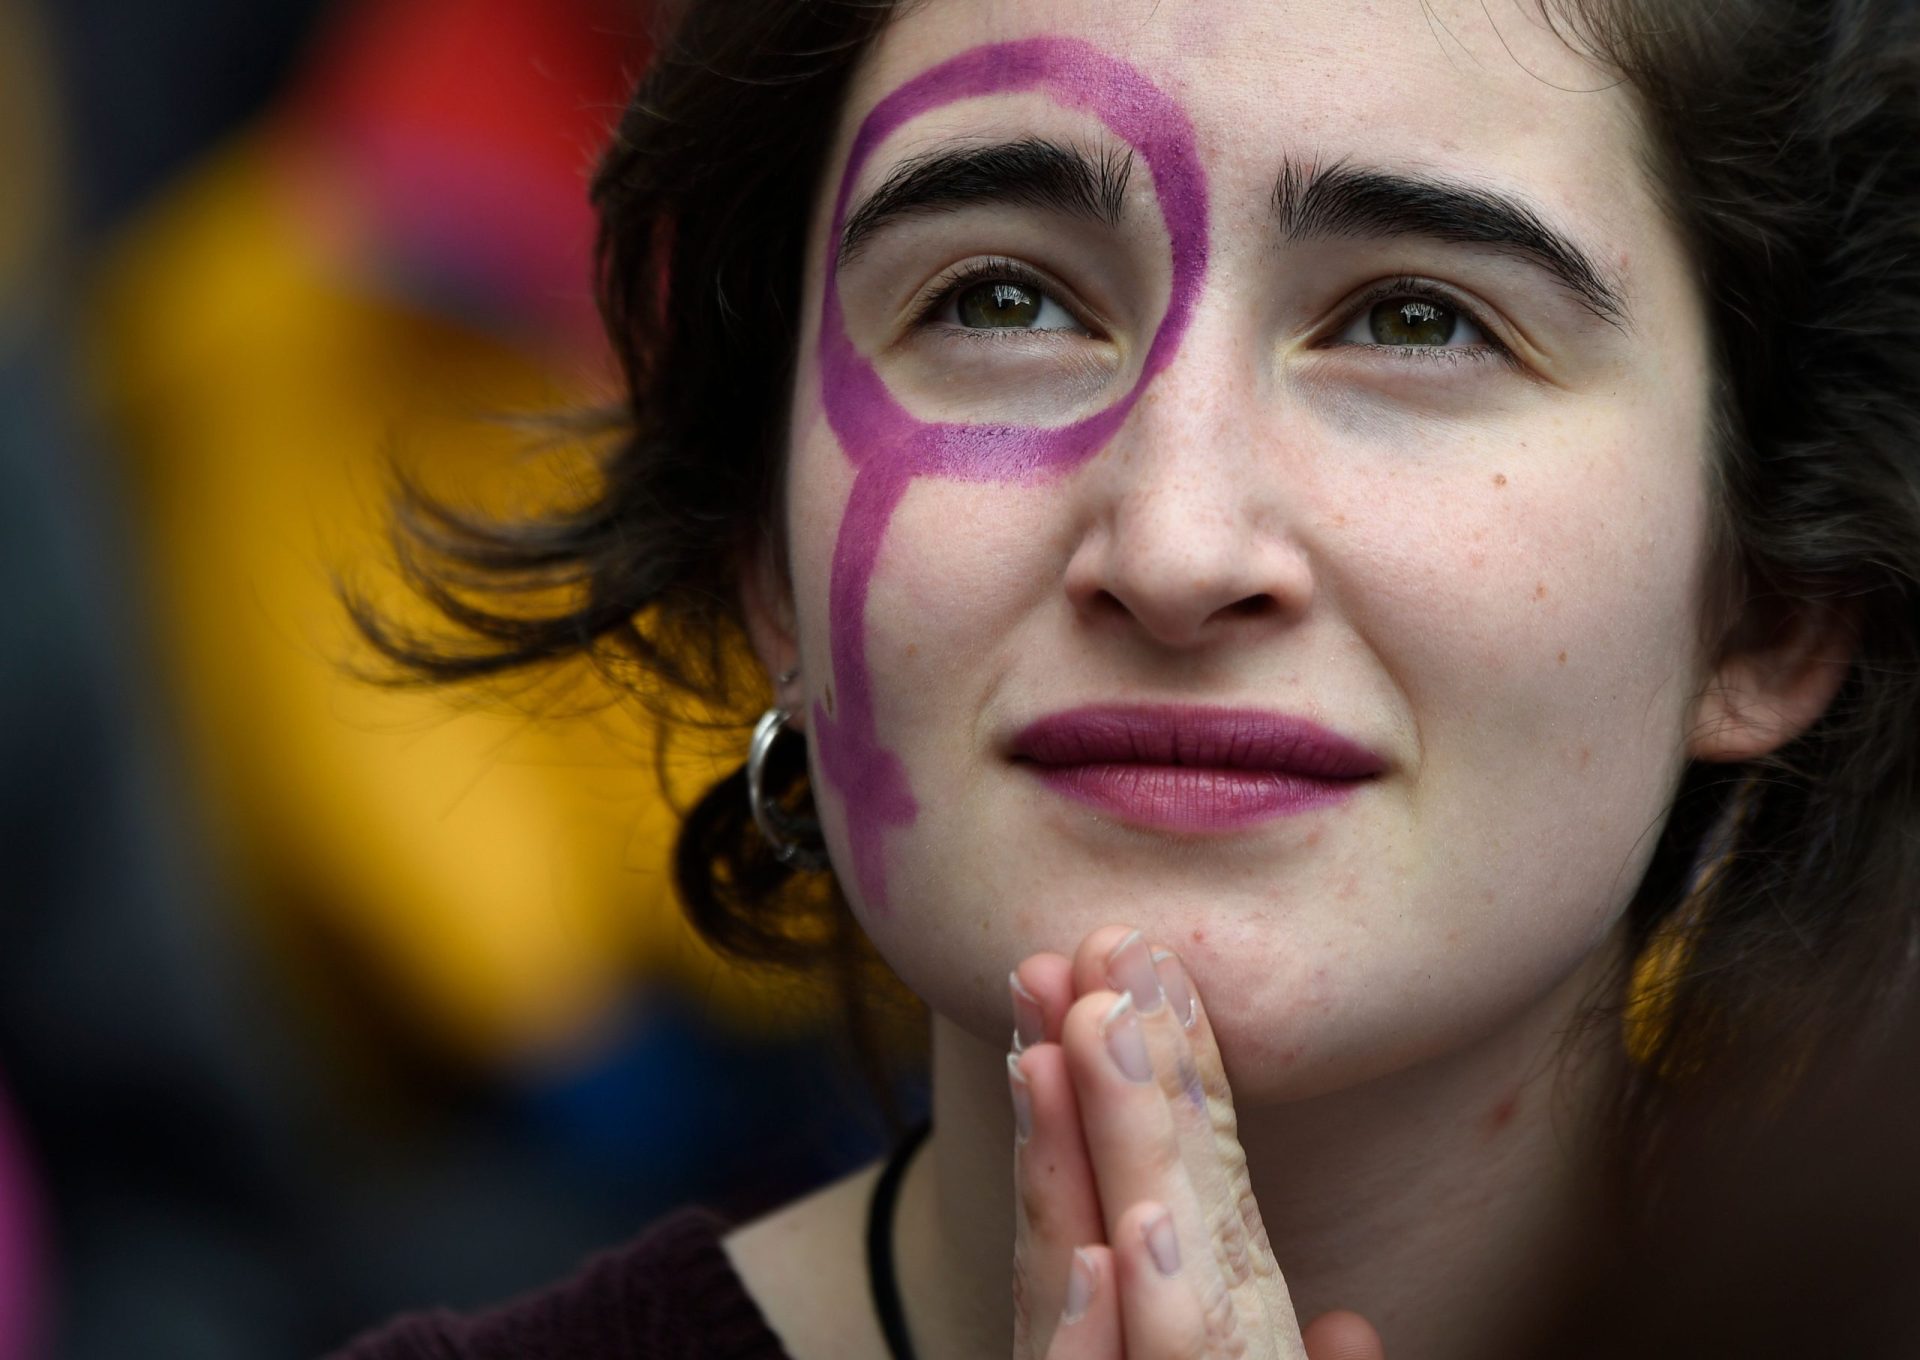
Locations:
1345 544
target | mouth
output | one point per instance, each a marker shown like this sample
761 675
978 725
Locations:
1192 769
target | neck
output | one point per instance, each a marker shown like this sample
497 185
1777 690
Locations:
1433 1201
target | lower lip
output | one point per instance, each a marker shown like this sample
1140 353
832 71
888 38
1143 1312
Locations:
1189 798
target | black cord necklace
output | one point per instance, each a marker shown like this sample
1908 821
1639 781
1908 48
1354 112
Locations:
886 1289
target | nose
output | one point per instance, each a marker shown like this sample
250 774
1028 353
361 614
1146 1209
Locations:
1189 532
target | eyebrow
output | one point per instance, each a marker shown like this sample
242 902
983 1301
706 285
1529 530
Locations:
1030 172
1345 201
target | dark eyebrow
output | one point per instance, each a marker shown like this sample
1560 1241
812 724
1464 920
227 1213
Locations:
1350 201
1031 172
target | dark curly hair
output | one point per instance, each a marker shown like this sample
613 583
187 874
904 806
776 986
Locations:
1785 137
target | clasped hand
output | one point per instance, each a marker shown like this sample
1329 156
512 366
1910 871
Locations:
1137 1233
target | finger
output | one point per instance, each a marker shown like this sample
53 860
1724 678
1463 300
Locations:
1184 996
1056 1204
1177 986
1114 959
1131 1140
1090 959
1195 1083
1152 1135
1170 1306
1204 1130
1093 971
1172 972
1343 1335
1042 989
1089 1326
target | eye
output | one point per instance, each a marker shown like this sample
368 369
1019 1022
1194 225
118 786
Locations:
997 295
1405 320
1414 319
1006 305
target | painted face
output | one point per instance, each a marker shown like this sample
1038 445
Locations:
1248 480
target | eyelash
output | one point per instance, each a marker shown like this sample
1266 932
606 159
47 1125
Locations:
936 295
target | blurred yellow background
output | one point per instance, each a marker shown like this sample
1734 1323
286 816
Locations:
320 1000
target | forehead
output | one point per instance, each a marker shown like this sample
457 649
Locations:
1474 91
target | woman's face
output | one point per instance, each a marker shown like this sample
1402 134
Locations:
1183 374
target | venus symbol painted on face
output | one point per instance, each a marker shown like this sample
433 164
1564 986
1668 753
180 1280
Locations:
889 447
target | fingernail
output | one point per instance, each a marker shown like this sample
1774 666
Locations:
1173 979
1125 1042
1029 1025
1022 1099
1130 969
1162 1243
1079 1287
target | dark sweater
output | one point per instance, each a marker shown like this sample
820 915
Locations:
670 1295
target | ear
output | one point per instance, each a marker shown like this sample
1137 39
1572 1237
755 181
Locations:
766 598
1772 684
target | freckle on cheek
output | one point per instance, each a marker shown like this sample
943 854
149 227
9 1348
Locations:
1540 591
1563 658
1499 479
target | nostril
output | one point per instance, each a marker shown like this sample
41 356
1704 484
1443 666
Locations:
1106 602
1111 604
1252 607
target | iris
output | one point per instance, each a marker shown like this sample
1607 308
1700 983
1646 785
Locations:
998 305
1412 321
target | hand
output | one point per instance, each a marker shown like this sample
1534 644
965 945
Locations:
1137 1234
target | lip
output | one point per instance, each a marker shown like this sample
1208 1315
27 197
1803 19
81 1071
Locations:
1193 769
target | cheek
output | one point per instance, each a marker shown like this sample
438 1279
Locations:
1535 630
963 573
1562 593
962 594
1539 620
967 572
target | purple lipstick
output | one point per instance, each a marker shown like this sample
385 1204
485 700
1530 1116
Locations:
1192 769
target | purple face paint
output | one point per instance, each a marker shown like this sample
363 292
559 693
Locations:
889 447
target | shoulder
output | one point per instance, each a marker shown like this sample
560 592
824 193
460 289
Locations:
672 1293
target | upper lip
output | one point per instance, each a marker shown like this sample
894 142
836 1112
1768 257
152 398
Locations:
1205 737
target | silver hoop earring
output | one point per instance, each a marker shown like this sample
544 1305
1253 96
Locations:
788 836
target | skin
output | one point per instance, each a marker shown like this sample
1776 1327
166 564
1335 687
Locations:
891 446
1491 573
